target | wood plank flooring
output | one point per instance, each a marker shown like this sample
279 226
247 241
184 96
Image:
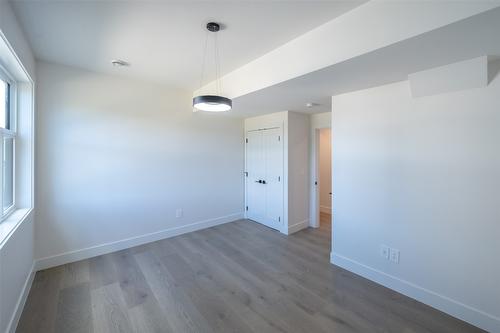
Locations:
237 277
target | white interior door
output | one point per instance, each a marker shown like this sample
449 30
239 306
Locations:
273 156
256 201
264 181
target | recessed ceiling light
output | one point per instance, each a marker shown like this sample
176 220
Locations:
120 63
311 104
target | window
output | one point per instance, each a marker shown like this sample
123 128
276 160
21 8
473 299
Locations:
7 143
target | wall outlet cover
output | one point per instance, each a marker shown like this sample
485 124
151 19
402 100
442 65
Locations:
384 251
394 256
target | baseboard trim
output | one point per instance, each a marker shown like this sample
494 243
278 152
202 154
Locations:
450 306
298 226
72 256
325 209
14 320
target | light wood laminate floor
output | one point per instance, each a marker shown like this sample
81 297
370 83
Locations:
237 277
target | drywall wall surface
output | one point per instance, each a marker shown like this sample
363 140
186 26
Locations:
10 28
277 119
122 162
467 74
16 245
368 27
321 120
298 171
16 264
421 175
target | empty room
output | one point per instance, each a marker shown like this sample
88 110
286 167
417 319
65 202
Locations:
249 166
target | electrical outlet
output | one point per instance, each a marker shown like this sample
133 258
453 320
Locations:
384 251
394 256
178 212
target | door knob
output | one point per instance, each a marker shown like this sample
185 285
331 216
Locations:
263 182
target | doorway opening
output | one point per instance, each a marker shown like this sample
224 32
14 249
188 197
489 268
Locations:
321 204
324 178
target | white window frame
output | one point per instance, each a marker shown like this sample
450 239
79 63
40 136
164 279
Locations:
9 133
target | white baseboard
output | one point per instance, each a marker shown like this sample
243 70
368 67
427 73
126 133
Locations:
72 256
14 320
450 306
325 209
298 226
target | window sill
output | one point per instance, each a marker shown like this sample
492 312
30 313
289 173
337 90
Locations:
11 223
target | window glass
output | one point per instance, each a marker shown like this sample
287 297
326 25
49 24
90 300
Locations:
8 173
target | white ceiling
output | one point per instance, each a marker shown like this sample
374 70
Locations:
164 40
475 36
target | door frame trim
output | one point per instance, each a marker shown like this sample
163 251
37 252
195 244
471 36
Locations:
314 204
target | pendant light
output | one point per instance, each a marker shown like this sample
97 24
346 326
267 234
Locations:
216 102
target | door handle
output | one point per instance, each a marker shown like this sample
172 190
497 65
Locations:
263 182
259 181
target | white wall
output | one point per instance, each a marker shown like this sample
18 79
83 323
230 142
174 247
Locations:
325 170
16 264
117 157
277 119
298 171
11 29
17 232
423 176
320 120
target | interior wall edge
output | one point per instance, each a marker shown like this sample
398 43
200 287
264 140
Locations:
16 315
297 227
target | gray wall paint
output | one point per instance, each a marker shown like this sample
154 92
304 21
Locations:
117 157
298 169
16 252
16 261
423 176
